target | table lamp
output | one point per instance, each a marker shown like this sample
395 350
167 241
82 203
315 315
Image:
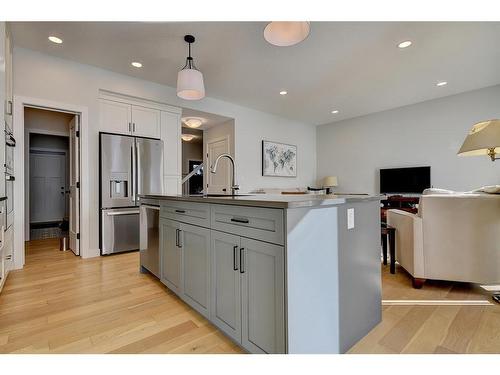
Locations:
329 182
483 139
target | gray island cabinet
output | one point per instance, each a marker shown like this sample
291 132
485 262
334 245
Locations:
277 274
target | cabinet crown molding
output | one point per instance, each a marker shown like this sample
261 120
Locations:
123 98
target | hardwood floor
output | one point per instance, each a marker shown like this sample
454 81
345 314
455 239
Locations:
60 303
442 317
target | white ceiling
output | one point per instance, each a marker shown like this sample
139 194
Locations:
354 67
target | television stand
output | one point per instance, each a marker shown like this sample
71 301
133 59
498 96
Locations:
400 202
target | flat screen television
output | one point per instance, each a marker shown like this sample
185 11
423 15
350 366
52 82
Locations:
412 180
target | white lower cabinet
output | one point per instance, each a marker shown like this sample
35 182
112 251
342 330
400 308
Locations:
236 282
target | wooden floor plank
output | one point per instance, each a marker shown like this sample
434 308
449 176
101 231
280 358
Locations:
60 303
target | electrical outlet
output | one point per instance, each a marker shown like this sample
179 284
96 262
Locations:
350 218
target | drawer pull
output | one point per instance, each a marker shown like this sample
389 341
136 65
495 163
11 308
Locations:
235 263
180 211
240 220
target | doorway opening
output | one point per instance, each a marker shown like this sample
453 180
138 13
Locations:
212 136
52 170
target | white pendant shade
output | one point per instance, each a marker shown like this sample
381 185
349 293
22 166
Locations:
190 84
284 34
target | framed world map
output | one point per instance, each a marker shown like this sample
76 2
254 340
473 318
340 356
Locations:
279 159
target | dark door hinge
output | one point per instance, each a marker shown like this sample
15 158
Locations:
78 185
78 236
77 133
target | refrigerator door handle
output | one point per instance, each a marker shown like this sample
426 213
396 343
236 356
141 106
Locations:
138 170
133 174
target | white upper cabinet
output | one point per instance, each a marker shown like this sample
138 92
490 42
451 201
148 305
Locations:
124 118
122 114
115 117
145 122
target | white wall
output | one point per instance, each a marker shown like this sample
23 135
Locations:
42 76
427 133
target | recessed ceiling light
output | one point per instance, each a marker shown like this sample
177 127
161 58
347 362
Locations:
137 64
193 122
55 39
335 111
405 44
187 137
283 92
442 83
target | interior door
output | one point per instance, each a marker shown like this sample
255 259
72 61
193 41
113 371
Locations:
74 185
218 183
47 186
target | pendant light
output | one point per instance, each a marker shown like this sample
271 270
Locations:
286 33
190 80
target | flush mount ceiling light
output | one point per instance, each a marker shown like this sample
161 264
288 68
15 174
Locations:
284 34
335 111
283 92
55 39
136 64
405 44
192 122
187 137
442 83
190 84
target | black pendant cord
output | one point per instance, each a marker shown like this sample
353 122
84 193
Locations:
189 60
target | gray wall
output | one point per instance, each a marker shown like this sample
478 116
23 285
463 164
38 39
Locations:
427 133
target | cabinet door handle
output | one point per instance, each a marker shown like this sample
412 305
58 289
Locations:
180 238
133 126
177 237
239 220
235 263
242 263
130 127
180 211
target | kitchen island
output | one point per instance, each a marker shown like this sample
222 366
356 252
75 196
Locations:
276 273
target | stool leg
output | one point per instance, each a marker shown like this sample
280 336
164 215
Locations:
384 248
392 249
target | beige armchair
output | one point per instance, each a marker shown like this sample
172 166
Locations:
453 237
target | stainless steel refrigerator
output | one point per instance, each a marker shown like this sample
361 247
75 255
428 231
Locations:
129 166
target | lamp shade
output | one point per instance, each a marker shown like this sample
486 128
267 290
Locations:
284 34
483 139
330 181
190 84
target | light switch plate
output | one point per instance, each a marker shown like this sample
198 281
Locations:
350 218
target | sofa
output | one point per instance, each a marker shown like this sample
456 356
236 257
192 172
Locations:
454 236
